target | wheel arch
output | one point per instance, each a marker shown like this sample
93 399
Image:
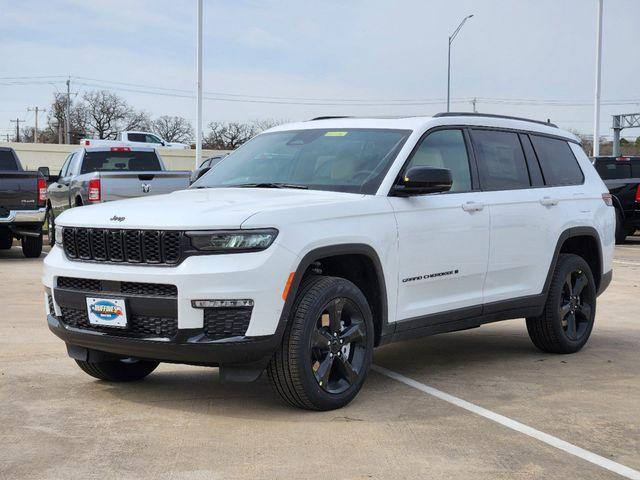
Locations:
582 241
335 260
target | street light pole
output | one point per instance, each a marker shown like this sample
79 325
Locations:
596 101
451 38
199 87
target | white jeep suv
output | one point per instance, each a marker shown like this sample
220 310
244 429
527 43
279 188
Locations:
317 241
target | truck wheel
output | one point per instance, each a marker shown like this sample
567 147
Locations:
621 231
6 239
125 370
32 246
51 228
327 346
570 310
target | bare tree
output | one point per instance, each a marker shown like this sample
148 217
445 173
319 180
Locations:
266 124
108 113
173 128
228 135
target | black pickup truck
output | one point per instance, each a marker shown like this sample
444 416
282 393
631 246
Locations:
622 177
23 200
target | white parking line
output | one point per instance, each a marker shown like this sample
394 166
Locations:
514 425
622 262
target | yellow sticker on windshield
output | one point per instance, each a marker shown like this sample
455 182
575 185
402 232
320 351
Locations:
335 134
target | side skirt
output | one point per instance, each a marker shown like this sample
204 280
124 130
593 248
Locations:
466 318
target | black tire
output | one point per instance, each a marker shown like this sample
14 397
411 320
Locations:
570 310
621 231
51 228
32 246
306 372
6 239
126 370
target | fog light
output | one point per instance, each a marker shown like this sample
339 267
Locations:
221 303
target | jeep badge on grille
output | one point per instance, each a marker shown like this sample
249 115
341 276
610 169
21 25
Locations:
146 187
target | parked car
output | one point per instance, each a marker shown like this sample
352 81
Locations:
205 166
134 138
621 175
102 174
317 241
23 197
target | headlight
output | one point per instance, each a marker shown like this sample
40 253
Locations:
58 235
233 241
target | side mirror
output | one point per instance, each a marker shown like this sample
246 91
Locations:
44 171
423 180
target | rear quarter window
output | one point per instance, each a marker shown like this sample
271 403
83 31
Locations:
559 164
501 161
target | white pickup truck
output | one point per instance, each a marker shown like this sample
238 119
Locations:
136 139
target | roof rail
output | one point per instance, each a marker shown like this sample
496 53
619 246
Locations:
492 115
329 117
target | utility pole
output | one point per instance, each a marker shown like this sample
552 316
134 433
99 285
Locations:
473 102
17 122
68 110
199 86
596 108
36 110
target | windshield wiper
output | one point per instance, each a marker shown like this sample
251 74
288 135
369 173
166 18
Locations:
269 185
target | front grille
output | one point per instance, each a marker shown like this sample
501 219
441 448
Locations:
226 322
153 247
140 326
128 288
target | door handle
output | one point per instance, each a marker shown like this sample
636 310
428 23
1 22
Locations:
548 201
472 206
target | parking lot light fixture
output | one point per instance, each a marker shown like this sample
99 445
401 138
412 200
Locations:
451 38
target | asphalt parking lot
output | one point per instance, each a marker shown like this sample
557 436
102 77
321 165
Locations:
182 423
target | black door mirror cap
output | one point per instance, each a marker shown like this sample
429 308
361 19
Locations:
422 181
44 171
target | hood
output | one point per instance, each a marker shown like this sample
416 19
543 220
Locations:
211 208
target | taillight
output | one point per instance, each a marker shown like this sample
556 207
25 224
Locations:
608 200
86 142
120 149
623 159
638 193
42 192
94 190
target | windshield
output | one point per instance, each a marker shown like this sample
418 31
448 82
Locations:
120 161
341 160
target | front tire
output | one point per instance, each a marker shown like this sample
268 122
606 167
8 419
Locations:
6 239
570 309
32 246
327 346
621 231
125 370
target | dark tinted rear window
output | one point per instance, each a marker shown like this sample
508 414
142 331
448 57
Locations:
612 169
7 162
559 164
501 162
120 161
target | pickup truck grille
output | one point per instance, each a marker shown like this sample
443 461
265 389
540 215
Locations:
152 247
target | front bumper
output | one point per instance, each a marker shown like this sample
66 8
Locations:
189 346
24 216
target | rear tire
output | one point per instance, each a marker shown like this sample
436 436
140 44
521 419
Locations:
32 246
6 239
621 231
327 346
125 370
570 309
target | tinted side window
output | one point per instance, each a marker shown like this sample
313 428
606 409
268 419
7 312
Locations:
501 162
559 164
612 169
152 139
445 149
7 162
65 166
137 137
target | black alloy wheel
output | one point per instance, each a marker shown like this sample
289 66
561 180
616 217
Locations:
338 345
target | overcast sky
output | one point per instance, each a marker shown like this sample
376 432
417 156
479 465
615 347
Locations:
291 59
